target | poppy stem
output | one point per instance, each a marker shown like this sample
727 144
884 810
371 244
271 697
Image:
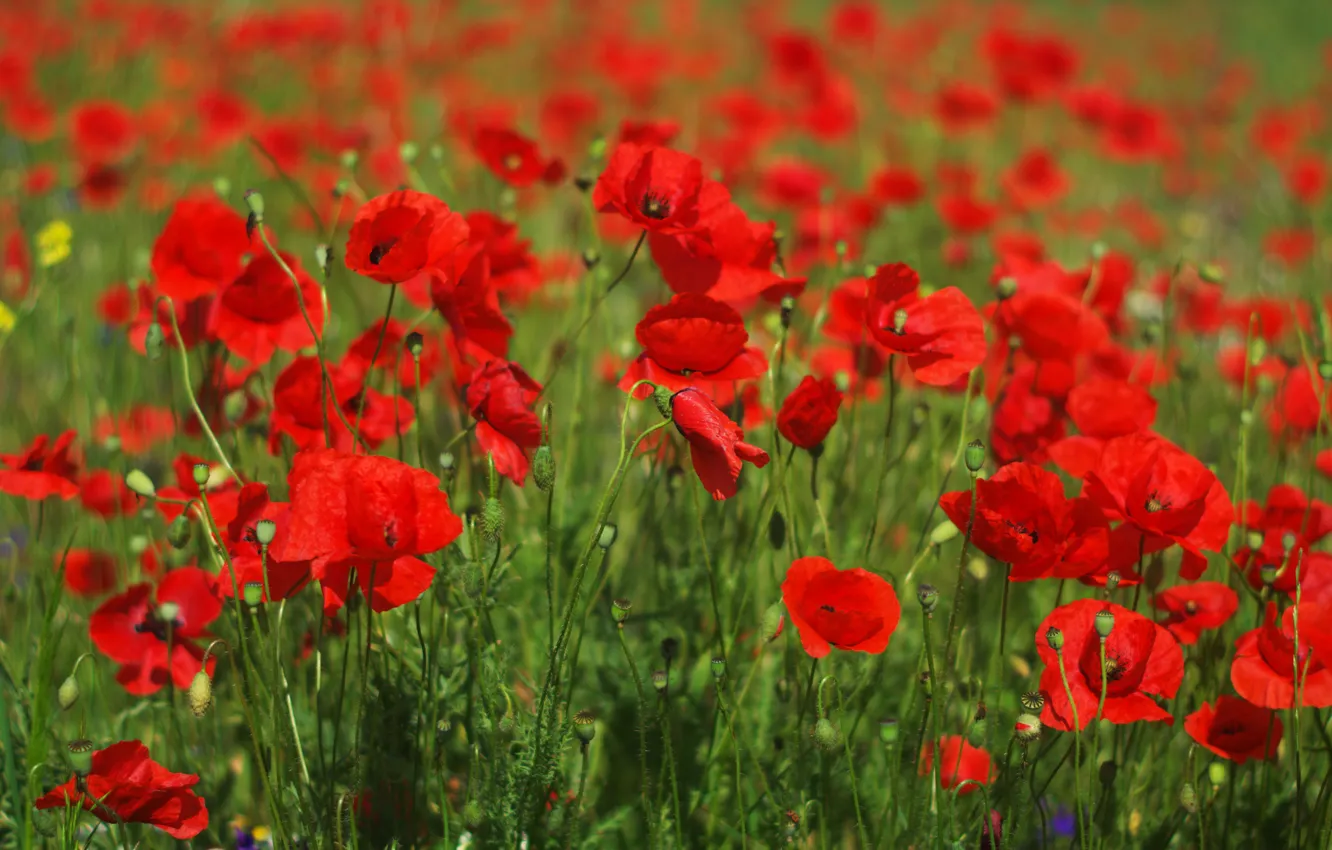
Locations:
189 387
360 405
957 586
1077 749
644 792
883 452
712 576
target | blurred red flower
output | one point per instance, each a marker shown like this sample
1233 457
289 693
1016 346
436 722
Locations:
1235 729
941 334
42 470
959 762
499 397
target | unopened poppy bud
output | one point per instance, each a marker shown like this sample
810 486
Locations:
178 532
68 693
1257 350
200 693
943 532
888 729
974 456
661 397
620 610
584 180
1006 289
322 257
492 518
1287 542
1027 728
928 596
976 732
591 257
264 531
596 149
1254 539
1211 273
543 469
201 473
349 158
718 666
255 202
1188 798
473 815
1325 370
80 756
222 186
585 726
234 406
1217 773
1268 573
446 462
606 538
1098 250
670 647
1105 623
408 152
415 343
153 341
776 530
1054 639
1107 772
341 188
1033 701
771 625
660 680
506 725
788 307
253 593
826 734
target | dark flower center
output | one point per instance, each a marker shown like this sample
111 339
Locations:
1155 505
1114 669
377 253
512 162
828 608
156 625
655 206
391 534
1022 529
1191 606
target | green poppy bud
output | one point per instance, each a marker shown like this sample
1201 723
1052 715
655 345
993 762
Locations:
473 815
943 532
80 756
888 730
1054 638
788 307
68 694
253 593
1325 370
660 681
222 187
255 202
585 726
1006 289
201 473
234 405
1027 728
591 258
492 518
928 596
543 468
1217 773
771 625
1211 273
178 532
661 397
200 693
154 341
1188 798
597 148
349 158
408 152
1098 250
1105 623
826 734
974 456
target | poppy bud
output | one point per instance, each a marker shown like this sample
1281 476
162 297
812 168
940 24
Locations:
473 815
620 610
264 531
200 473
1027 728
492 518
888 730
201 693
255 202
776 530
943 532
111 444
976 734
661 397
1107 772
1006 289
1098 250
506 725
153 341
596 149
1054 639
669 648
1325 370
1033 701
974 456
718 666
178 532
349 158
771 625
584 181
68 694
1257 350
1217 773
415 343
408 152
606 539
234 406
543 469
1254 539
660 681
446 462
585 726
825 734
80 756
322 257
788 307
1105 623
928 596
1188 798
1211 273
591 257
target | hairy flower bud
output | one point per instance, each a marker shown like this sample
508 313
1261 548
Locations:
771 624
606 538
492 518
178 532
661 397
543 468
1006 289
1188 798
1027 728
138 482
928 596
200 693
943 532
825 734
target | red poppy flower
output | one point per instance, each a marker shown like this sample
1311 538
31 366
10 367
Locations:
1035 181
126 786
1105 408
512 157
1028 420
896 186
965 214
102 131
259 312
499 397
397 236
692 339
104 493
1191 608
200 249
301 405
809 412
942 334
1324 462
246 555
371 516
1264 668
1165 496
1142 658
1023 519
140 429
854 610
39 472
655 188
466 297
959 762
1289 524
1235 729
716 444
134 629
87 573
1049 325
962 106
1307 179
1295 410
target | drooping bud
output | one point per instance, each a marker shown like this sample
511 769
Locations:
788 307
1325 370
222 187
773 620
943 532
80 756
154 341
1287 542
253 593
255 202
620 610
1054 638
776 530
1188 798
1105 623
591 258
661 397
201 693
1098 250
670 647
928 596
492 518
349 158
69 691
178 532
585 726
606 538
826 735
1254 539
264 531
543 468
974 456
718 666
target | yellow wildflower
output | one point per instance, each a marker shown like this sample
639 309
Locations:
53 243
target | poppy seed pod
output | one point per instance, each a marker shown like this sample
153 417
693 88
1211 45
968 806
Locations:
620 610
492 518
1268 573
928 596
1033 701
408 152
153 341
222 187
825 734
80 756
1054 638
1105 623
200 693
414 343
253 593
1325 370
543 468
264 531
255 202
178 532
585 726
200 473
974 456
348 158
670 647
888 730
660 680
1006 289
718 666
1112 580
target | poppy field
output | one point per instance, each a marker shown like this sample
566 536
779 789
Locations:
693 424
